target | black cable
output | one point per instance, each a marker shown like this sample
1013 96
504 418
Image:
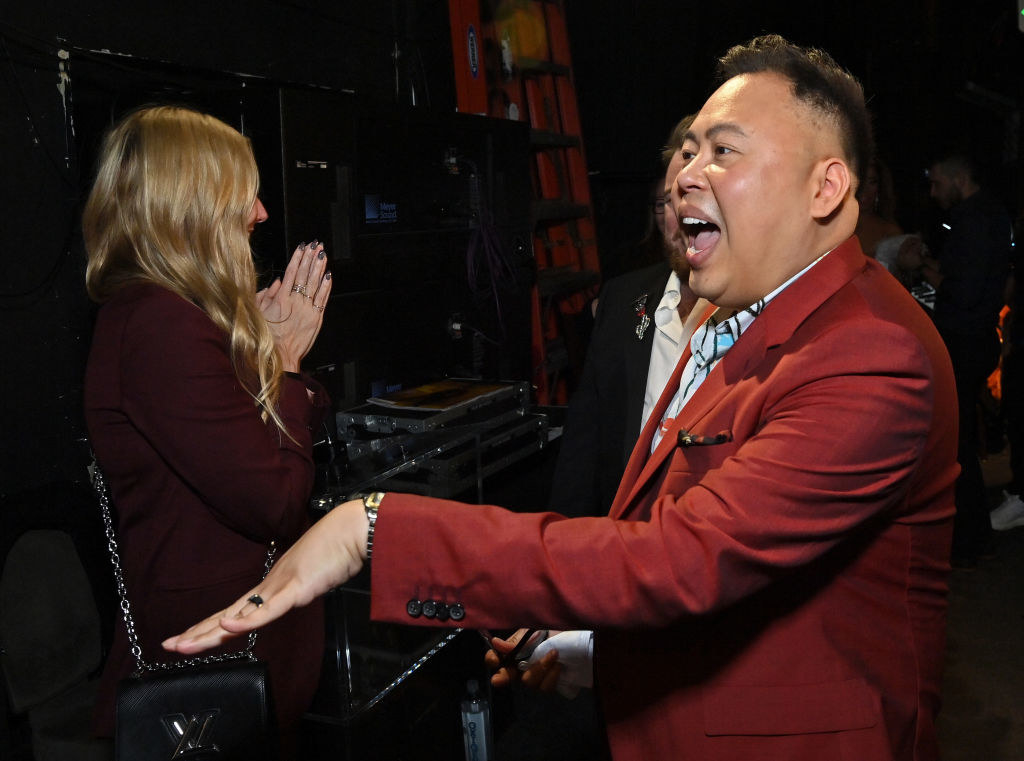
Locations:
67 174
421 73
30 115
485 251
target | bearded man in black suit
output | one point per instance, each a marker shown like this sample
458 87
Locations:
644 320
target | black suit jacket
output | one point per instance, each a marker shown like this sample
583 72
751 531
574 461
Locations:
603 420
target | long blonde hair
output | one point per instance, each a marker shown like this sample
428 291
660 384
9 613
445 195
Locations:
171 203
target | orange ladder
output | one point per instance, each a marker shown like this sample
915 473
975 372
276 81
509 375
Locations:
529 76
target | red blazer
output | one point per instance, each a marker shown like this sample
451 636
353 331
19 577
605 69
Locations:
200 484
780 595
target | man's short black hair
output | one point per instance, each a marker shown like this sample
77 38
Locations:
818 81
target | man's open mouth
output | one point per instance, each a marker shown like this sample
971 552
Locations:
700 234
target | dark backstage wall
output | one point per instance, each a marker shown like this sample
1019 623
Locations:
344 103
312 83
936 75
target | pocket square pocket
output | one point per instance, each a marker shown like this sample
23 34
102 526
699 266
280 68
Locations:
688 439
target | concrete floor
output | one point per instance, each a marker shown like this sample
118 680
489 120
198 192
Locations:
982 716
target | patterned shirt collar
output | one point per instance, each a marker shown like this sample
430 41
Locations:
710 343
723 328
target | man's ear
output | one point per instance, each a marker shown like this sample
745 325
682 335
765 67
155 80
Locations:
832 182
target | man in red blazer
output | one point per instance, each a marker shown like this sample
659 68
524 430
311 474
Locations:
771 582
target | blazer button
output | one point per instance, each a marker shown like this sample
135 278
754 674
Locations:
429 608
442 612
457 612
414 607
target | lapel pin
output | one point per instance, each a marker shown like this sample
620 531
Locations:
640 307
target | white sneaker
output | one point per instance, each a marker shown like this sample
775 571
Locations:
1009 514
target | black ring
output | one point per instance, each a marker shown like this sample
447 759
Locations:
256 600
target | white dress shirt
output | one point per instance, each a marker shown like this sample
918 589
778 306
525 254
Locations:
669 341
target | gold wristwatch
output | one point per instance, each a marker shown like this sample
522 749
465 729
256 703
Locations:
371 503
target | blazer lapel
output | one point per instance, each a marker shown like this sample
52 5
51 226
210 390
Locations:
637 356
631 479
781 318
734 365
643 444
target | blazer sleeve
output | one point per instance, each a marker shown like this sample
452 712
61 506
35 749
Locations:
833 447
180 390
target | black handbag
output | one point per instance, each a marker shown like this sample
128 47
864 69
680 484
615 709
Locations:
220 711
207 708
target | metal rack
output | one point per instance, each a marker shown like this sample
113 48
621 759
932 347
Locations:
444 453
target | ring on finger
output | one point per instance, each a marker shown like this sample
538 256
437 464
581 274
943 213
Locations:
299 289
319 309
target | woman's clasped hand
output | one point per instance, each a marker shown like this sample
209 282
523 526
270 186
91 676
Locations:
294 304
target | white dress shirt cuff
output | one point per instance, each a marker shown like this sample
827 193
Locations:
576 656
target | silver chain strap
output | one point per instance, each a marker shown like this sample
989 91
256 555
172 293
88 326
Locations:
99 484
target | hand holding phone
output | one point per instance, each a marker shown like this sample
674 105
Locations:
509 658
527 641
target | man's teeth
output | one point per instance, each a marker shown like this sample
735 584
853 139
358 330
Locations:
691 222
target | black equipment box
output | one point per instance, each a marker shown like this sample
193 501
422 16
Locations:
439 440
426 408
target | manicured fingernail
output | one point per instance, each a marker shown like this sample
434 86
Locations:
302 244
321 255
328 275
315 243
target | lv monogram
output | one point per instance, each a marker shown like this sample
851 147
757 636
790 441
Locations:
192 735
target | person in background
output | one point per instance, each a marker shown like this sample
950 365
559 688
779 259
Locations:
771 581
643 322
639 334
969 277
1010 512
194 403
649 251
880 236
877 220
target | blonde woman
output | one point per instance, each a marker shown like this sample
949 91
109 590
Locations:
193 399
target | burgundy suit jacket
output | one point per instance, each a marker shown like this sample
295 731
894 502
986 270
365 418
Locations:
200 483
779 595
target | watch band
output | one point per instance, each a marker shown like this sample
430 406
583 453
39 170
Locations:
371 503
